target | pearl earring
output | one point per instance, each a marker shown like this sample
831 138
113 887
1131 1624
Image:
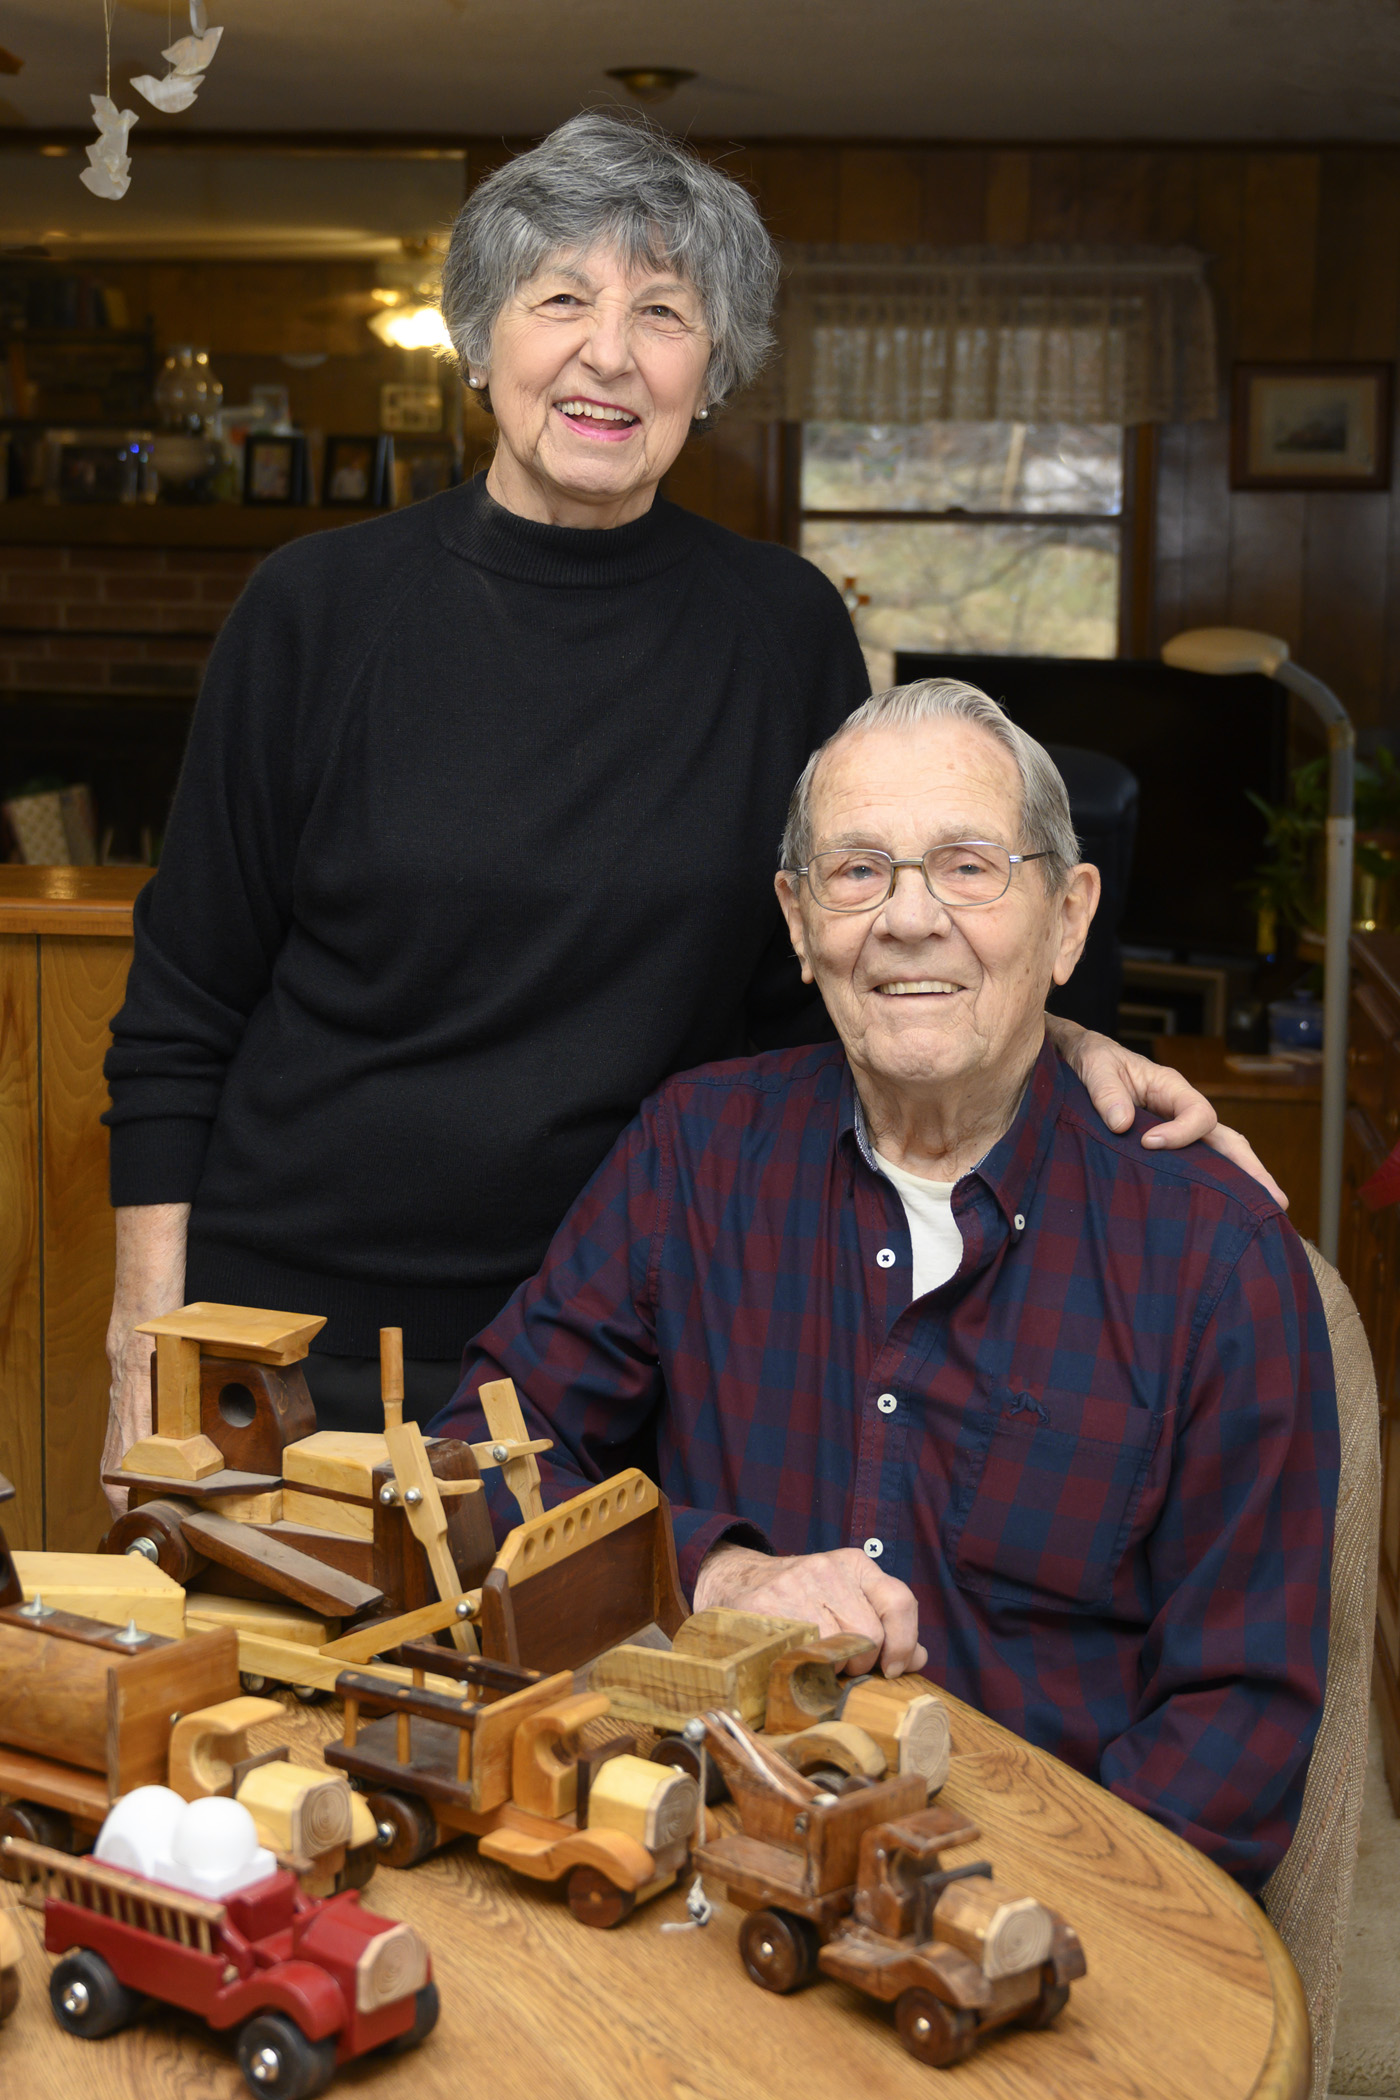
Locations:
701 415
476 379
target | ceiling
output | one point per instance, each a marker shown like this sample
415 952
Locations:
998 69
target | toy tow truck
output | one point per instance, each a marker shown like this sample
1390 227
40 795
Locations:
853 1886
307 1983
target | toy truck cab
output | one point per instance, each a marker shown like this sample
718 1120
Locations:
309 1984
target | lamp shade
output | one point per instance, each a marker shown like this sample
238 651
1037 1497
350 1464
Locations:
1225 651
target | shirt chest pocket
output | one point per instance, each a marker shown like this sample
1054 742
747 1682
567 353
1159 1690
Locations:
1049 1496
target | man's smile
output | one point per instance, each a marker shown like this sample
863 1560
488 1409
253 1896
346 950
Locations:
918 987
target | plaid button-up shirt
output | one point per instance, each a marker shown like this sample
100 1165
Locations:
1103 1455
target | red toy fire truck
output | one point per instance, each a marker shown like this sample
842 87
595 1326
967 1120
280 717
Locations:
307 1984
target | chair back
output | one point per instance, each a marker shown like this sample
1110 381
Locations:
1308 1896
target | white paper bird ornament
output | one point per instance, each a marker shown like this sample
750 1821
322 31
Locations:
109 172
187 58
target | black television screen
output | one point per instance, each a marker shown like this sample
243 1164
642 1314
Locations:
1197 745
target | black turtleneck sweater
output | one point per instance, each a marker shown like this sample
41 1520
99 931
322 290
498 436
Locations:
473 846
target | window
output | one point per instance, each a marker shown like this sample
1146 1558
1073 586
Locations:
998 539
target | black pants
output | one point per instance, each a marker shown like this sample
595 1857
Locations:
346 1389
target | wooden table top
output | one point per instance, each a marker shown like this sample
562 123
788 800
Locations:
1204 1060
70 900
1189 1991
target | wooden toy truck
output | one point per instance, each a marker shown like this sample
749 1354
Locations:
775 1674
89 1712
507 1767
307 1985
853 1886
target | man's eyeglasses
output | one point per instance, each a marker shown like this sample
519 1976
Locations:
859 878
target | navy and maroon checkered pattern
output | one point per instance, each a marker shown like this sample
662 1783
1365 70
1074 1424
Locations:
1110 1470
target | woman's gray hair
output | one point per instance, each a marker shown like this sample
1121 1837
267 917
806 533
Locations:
624 182
1046 824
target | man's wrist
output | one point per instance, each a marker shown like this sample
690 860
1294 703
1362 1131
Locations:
716 1582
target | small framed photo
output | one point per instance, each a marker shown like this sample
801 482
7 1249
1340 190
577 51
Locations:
358 472
1311 426
423 467
274 468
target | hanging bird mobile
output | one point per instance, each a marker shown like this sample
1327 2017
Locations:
108 173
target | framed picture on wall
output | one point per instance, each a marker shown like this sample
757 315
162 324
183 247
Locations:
357 472
274 468
423 467
1311 426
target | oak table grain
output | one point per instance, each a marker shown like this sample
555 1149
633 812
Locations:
65 945
1189 1995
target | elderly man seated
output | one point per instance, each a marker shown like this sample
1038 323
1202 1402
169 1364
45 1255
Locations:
929 1352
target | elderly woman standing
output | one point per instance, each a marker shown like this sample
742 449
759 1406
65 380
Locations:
471 846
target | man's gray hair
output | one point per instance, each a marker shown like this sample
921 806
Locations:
624 182
1046 824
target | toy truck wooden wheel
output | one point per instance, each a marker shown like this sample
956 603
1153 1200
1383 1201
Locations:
87 1998
425 2017
154 1530
1053 1999
594 1900
9 1993
933 2032
778 1950
41 1826
674 1750
277 2059
407 1830
358 1871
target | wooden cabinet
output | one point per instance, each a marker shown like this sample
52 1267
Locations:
65 946
1369 1259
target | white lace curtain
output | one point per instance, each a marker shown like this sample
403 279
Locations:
1016 335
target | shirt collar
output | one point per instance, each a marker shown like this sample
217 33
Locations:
1012 1168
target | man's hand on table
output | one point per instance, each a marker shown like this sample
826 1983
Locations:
840 1592
1119 1082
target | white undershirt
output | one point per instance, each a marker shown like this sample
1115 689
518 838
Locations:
928 1205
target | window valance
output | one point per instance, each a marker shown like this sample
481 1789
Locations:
1016 335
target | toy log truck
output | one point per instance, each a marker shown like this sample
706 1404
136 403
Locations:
307 1984
853 1886
507 1766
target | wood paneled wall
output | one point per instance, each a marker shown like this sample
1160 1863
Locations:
1305 261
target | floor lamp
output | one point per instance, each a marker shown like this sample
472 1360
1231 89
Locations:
1231 651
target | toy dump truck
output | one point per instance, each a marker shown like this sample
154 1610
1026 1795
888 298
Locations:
777 1675
853 1886
306 1984
505 1764
88 1712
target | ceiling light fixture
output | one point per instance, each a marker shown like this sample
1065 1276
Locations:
650 83
411 328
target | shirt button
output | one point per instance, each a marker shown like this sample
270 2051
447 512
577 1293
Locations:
885 1258
887 1403
1019 1222
874 1547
